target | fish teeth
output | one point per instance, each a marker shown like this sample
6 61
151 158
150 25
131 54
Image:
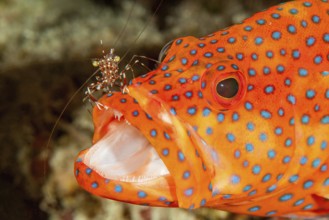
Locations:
117 114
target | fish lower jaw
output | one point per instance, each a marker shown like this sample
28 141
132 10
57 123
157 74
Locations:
125 155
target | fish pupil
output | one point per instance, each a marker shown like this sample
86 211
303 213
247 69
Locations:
227 88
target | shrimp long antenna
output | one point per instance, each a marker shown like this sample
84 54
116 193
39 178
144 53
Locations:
126 24
143 29
61 114
85 83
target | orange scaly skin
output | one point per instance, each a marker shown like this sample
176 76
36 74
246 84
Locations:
262 152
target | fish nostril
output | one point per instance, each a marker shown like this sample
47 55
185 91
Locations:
164 51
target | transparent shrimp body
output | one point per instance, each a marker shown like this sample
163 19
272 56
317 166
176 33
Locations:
110 77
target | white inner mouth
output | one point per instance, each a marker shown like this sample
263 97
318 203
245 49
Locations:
124 154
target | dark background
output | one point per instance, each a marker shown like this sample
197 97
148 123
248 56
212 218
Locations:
45 53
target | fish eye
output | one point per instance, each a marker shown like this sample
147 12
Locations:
223 86
164 51
227 88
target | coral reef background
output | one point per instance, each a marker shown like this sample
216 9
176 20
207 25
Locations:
45 51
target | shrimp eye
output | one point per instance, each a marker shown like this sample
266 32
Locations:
227 88
164 51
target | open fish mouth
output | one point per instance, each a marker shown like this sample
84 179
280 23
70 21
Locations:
153 154
124 154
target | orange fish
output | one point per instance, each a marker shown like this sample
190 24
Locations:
237 120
